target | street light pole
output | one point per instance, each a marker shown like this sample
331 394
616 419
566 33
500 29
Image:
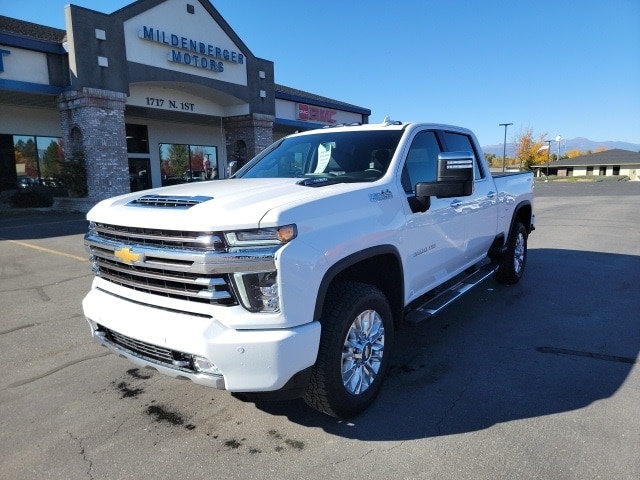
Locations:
504 148
548 154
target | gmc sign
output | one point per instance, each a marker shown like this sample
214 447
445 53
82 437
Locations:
310 112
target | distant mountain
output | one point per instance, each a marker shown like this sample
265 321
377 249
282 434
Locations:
579 143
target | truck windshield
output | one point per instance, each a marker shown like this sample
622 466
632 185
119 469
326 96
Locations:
358 156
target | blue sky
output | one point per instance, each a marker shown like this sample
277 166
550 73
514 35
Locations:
560 67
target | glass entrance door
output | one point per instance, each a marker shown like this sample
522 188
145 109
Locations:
139 174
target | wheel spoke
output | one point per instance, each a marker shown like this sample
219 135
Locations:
349 373
376 335
519 253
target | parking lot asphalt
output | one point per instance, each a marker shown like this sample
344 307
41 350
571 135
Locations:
535 381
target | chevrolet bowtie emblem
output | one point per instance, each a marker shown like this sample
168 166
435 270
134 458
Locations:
127 256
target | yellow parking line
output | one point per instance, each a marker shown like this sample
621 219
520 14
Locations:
48 250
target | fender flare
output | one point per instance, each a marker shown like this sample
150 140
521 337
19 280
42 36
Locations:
516 211
351 260
499 244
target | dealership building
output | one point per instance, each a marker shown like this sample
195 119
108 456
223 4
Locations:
156 93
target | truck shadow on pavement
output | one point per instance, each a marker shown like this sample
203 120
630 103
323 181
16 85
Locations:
565 337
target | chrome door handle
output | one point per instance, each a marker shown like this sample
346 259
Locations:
456 203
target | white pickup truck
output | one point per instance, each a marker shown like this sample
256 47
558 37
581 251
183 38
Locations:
290 278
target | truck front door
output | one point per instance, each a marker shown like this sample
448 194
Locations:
434 240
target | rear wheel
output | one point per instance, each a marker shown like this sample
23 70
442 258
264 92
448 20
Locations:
355 346
514 259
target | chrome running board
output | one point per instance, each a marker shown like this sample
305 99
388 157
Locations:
442 299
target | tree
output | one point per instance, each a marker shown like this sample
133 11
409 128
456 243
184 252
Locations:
177 161
25 153
73 174
51 159
197 159
492 160
574 152
530 150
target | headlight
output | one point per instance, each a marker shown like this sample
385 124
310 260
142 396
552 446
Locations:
261 236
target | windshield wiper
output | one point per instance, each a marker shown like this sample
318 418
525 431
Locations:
324 181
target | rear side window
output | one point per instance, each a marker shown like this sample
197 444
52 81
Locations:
459 142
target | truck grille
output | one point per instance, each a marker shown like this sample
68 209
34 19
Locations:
170 262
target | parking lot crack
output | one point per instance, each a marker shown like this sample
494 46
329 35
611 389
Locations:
454 403
83 453
57 369
370 451
592 355
21 327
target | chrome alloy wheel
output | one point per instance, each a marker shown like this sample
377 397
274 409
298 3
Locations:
519 253
362 352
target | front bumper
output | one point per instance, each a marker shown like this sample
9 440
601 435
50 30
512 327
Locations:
167 340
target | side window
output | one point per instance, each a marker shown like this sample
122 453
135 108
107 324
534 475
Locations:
458 142
422 160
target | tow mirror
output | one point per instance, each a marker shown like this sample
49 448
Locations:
454 178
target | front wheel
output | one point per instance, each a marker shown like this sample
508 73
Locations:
513 260
355 346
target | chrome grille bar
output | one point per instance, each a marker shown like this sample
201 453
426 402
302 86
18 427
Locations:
185 286
148 236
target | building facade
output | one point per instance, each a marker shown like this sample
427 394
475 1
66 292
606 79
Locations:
615 162
156 93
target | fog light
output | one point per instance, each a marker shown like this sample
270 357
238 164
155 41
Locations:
258 291
202 365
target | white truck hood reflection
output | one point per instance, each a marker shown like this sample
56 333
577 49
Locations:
224 204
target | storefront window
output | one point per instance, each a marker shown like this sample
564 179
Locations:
37 160
181 163
50 156
26 158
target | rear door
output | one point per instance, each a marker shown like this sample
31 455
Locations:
480 211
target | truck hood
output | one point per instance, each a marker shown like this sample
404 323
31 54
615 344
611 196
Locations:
206 206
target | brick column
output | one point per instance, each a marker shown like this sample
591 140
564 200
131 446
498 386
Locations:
254 131
93 124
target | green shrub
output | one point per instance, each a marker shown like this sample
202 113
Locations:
36 196
73 174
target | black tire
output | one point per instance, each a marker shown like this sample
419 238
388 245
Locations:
352 310
513 260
